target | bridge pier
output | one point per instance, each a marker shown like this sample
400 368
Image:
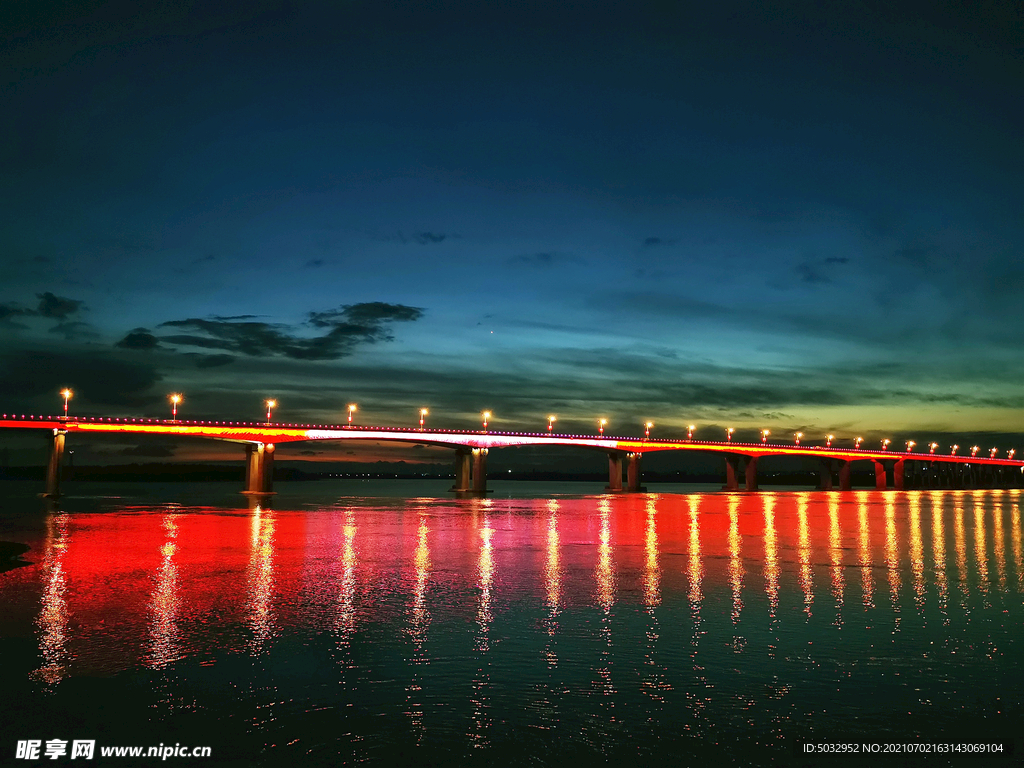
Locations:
633 474
750 473
898 475
844 475
259 469
480 470
732 469
880 484
54 466
614 473
470 472
825 475
462 472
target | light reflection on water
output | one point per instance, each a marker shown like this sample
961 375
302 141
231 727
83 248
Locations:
590 623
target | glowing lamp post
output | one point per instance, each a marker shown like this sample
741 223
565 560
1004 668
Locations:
974 451
932 447
764 435
551 422
600 426
992 453
910 446
953 449
270 406
487 416
66 394
885 444
797 437
423 414
689 432
828 440
175 399
1010 453
647 429
728 434
351 409
857 442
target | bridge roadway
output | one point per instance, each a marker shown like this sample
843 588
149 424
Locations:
471 449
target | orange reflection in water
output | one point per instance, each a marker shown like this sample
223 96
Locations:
479 695
806 577
652 569
916 550
835 551
164 639
892 556
735 560
261 578
999 543
695 569
419 622
866 580
939 554
552 567
960 542
771 556
980 548
52 622
1018 553
605 573
345 622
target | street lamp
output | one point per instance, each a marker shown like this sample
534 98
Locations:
910 446
351 409
992 453
1010 453
551 422
423 413
974 451
647 429
487 416
66 394
857 442
932 447
728 434
689 432
270 406
600 426
798 435
764 435
953 449
885 444
175 399
828 440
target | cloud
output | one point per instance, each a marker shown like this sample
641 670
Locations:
95 378
139 338
214 361
544 259
816 272
57 307
428 238
346 328
74 329
314 263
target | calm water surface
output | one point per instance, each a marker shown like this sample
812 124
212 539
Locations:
348 622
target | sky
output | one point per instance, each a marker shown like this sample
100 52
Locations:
753 215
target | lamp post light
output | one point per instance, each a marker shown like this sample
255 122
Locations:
932 447
270 407
175 399
351 409
487 416
797 437
885 444
828 440
974 451
857 442
764 435
423 413
910 446
551 422
66 394
647 429
953 449
992 452
600 426
1010 453
689 432
728 434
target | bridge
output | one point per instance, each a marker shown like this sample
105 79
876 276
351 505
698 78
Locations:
472 447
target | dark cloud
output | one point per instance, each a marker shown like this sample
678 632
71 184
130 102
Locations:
544 259
139 338
347 327
427 238
10 310
313 263
56 307
204 259
837 260
214 361
74 329
96 378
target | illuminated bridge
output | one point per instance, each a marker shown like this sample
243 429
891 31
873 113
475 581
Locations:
471 449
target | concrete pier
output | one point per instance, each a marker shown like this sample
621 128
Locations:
53 469
825 475
880 484
750 473
479 471
633 473
462 470
259 469
732 471
614 473
844 475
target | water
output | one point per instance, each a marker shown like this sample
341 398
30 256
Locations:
383 623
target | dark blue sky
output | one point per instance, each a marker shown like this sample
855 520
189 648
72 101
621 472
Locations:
759 215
